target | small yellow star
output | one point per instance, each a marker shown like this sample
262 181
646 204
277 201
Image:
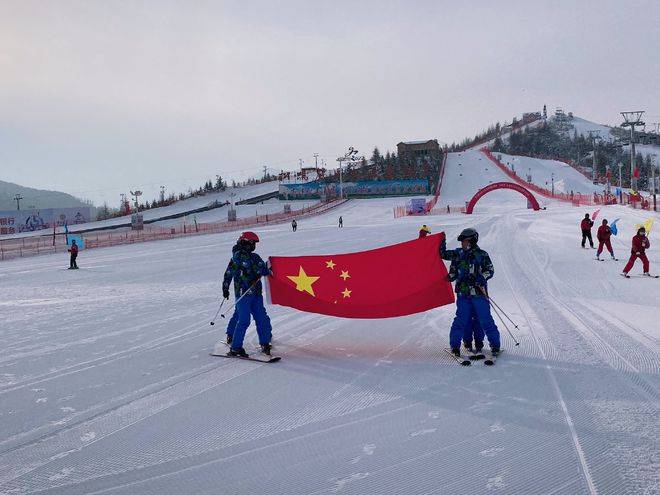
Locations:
330 264
304 282
347 293
344 275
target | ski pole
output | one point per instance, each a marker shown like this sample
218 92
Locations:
504 313
495 308
505 325
217 312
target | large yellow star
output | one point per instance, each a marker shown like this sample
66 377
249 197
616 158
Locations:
303 282
330 264
344 275
347 293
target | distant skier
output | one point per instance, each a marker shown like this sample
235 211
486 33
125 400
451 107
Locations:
640 243
603 235
74 254
586 225
341 222
470 268
294 225
246 269
424 231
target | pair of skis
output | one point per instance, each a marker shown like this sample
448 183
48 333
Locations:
639 276
257 356
488 357
603 259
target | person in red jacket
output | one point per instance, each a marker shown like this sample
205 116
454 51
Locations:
640 243
74 254
603 235
424 231
586 225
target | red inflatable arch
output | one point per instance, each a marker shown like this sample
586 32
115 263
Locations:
502 185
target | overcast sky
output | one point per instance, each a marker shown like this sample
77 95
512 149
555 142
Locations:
98 97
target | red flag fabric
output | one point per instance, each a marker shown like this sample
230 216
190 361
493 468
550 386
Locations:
396 280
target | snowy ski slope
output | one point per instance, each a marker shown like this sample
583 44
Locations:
467 172
107 386
178 207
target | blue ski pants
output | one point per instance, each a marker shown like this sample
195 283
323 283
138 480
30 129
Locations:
251 305
231 326
466 306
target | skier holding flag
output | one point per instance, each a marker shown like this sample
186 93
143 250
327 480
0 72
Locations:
246 269
603 235
640 243
470 268
585 226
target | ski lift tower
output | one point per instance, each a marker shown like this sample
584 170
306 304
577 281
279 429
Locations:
632 119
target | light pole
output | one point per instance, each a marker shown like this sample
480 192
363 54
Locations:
593 135
552 178
18 198
351 157
136 194
631 120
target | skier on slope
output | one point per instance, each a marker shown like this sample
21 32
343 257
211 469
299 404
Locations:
470 268
246 269
424 231
294 225
603 235
74 254
585 226
341 222
640 243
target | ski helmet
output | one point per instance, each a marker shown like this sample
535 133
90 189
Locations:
469 233
641 229
604 221
249 236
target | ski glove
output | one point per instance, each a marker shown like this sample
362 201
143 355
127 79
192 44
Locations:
225 293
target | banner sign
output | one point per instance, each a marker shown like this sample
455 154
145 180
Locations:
16 221
366 188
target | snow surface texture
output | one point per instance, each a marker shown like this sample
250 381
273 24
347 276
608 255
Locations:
107 386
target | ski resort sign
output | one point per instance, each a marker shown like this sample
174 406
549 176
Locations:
16 221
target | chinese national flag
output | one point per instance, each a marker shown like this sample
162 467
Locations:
390 281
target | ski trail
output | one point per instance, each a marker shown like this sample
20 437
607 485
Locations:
555 385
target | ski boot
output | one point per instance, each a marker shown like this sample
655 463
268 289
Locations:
646 274
456 352
265 348
468 346
229 339
238 352
495 351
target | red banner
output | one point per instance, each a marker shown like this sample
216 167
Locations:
396 280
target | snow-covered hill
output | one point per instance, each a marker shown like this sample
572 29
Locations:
469 171
107 386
